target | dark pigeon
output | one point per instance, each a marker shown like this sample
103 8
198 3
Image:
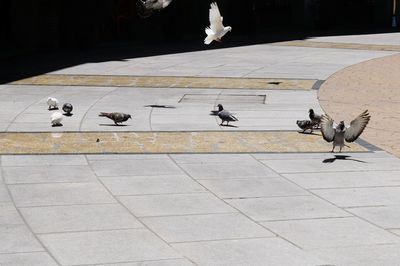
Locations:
225 115
116 117
306 125
316 119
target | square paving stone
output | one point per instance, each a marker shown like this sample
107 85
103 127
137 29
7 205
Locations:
135 167
287 208
205 227
175 204
59 194
27 259
17 238
212 158
346 179
358 197
262 251
107 247
384 216
43 160
4 196
145 185
228 170
375 255
40 174
79 218
250 188
334 232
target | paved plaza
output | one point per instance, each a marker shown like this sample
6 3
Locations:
174 187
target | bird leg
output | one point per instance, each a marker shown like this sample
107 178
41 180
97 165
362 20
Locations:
218 40
333 148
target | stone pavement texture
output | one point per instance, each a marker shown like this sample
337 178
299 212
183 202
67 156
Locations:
201 207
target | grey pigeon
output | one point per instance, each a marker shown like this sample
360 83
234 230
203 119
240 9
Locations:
147 7
306 124
116 117
67 108
340 134
316 119
225 115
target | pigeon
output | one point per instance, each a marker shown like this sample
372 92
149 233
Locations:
52 103
225 115
216 30
116 117
340 134
56 119
147 7
306 124
67 108
316 119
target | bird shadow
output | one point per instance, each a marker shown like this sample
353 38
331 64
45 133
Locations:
112 125
308 133
228 125
57 125
214 113
160 106
68 114
341 157
53 108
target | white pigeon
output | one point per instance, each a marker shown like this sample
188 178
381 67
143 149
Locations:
56 119
216 30
52 103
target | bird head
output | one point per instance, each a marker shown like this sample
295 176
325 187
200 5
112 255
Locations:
340 126
129 116
220 107
229 28
311 111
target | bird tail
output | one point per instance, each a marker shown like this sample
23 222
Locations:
104 114
210 36
234 118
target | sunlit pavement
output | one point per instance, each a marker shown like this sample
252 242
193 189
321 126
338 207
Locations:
173 187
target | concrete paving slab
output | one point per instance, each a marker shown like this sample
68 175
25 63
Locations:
333 232
42 160
346 179
29 195
383 216
174 262
175 204
17 238
373 255
135 168
27 259
192 228
287 208
264 251
125 186
79 218
357 197
9 215
40 174
107 247
4 196
252 188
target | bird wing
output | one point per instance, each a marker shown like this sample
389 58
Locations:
215 18
327 130
357 126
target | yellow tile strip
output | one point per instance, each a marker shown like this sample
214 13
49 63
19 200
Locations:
164 142
167 81
354 46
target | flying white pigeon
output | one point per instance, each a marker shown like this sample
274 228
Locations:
52 103
147 7
56 119
340 134
216 30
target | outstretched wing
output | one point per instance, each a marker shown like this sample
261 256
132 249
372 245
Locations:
357 126
327 130
215 18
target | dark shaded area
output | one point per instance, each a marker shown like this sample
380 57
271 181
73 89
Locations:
342 157
39 36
